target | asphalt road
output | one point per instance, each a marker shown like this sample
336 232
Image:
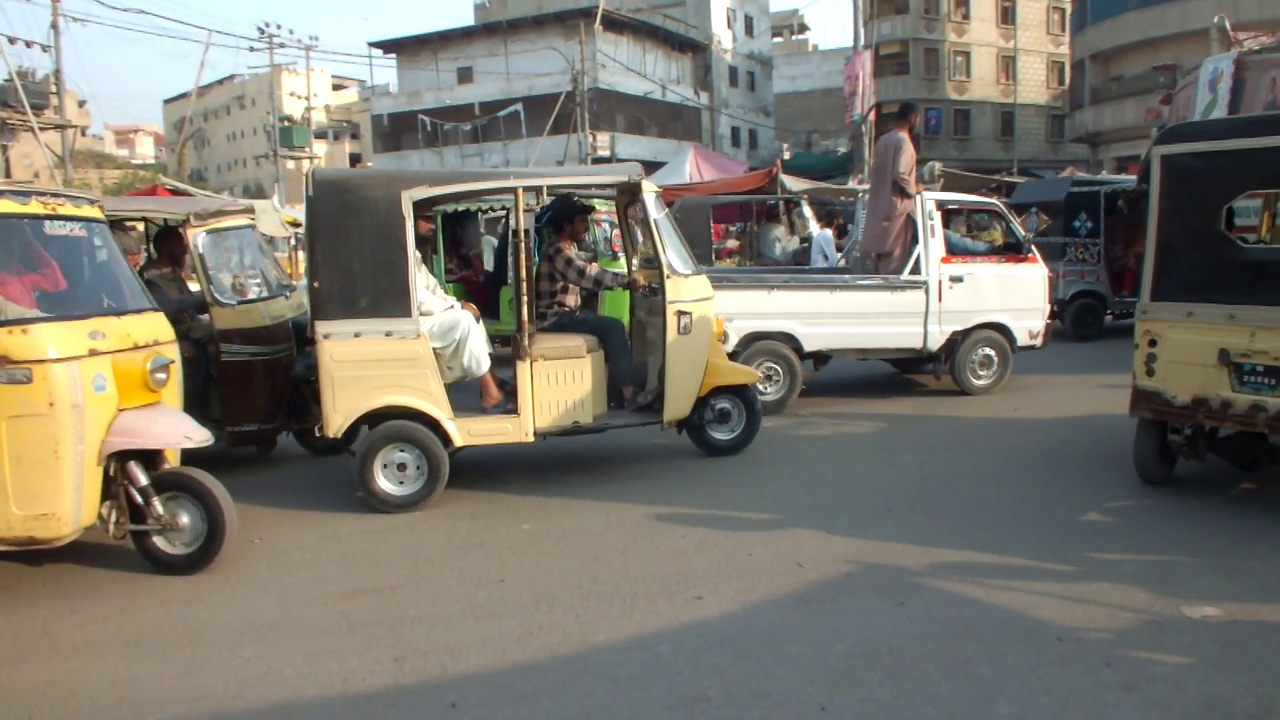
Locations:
887 550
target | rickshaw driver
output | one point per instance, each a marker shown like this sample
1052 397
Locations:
184 308
457 335
562 274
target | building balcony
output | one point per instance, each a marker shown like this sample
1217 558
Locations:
1121 119
1144 84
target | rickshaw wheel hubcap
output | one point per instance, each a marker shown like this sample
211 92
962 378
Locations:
984 365
725 418
400 469
190 524
771 379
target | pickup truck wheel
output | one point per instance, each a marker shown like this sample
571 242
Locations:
781 374
982 362
1153 457
1084 319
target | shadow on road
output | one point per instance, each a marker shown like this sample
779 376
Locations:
1009 579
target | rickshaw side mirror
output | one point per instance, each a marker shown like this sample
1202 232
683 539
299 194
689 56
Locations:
650 263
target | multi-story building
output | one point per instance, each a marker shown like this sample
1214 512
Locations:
24 159
989 75
1127 55
738 71
808 88
138 144
506 94
224 136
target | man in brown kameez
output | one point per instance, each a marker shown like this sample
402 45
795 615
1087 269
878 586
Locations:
890 223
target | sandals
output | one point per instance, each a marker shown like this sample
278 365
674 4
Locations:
641 400
505 406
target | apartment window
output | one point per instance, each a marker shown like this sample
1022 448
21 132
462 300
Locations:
1008 71
1008 120
959 10
893 59
466 75
242 134
960 60
932 65
932 121
253 102
1057 74
1057 128
751 80
1057 20
731 16
1008 13
961 122
733 76
753 139
735 136
931 8
749 26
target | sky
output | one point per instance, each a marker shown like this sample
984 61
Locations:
125 63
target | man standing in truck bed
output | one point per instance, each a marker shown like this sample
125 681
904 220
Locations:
890 223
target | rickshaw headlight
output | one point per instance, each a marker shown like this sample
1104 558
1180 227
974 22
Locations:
158 371
720 332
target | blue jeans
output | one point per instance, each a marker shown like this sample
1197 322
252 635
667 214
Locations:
612 335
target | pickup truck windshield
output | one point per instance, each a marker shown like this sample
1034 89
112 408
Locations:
63 269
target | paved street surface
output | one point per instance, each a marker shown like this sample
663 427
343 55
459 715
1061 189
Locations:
887 550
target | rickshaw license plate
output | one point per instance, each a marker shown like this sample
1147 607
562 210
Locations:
1255 379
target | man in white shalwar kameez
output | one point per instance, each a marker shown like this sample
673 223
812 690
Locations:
458 337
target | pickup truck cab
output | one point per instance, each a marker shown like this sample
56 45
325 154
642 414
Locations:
975 292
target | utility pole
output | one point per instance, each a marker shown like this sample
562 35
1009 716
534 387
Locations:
68 171
311 43
184 135
586 117
1017 82
271 37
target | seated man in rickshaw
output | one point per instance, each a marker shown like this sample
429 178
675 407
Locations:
186 310
457 335
561 277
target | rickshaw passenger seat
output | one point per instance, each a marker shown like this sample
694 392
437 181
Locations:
562 345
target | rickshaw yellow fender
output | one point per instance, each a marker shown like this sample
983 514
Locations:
153 427
723 372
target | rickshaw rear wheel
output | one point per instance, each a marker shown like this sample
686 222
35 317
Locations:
320 446
1154 458
1085 318
401 466
726 420
206 516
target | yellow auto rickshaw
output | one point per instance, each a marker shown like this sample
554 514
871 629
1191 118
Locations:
1206 371
377 366
90 394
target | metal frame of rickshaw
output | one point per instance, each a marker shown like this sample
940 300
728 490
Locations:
1206 377
377 369
610 303
261 341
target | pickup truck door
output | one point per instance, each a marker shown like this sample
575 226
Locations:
1009 289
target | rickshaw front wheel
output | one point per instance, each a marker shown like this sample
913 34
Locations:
726 420
401 465
206 518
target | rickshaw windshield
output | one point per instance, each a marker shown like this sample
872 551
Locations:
64 269
240 266
679 256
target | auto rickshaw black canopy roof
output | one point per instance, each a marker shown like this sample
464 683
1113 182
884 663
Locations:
357 243
1259 125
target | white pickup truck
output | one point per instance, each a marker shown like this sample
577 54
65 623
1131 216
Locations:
975 292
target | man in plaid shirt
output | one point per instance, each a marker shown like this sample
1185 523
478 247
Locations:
562 275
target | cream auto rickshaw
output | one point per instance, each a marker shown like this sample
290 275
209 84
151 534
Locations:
1206 371
90 394
378 369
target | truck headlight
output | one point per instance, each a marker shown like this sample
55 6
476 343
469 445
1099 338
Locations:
158 372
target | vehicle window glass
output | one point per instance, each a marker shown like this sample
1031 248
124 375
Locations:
679 256
240 266
1250 220
979 230
64 269
646 252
